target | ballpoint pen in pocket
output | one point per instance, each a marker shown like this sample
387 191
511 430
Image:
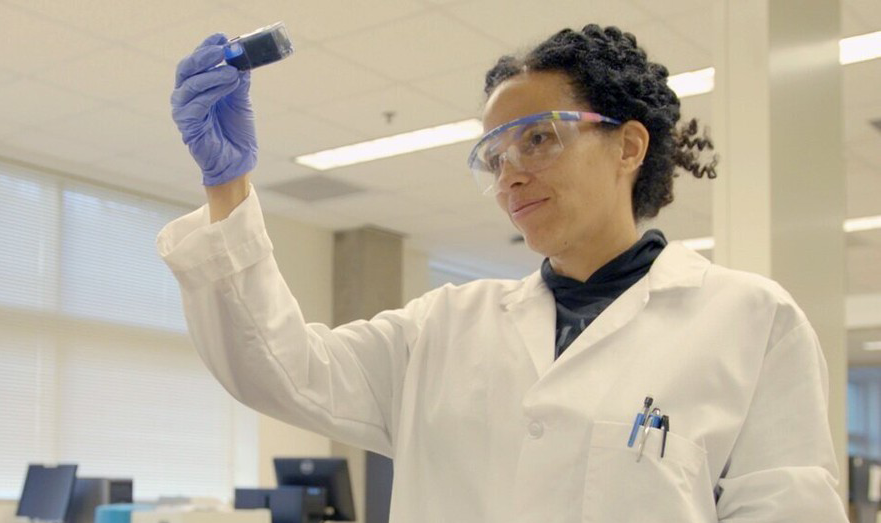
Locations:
653 421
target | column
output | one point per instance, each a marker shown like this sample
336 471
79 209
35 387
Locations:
779 200
367 279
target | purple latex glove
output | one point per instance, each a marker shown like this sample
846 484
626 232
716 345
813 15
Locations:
212 110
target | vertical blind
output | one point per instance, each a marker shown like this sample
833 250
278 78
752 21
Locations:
96 367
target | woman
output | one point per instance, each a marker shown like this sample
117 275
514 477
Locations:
507 400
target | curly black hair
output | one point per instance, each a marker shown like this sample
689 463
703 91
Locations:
610 73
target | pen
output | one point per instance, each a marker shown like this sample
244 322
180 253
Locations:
640 419
665 427
654 420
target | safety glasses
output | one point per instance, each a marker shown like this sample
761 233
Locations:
529 144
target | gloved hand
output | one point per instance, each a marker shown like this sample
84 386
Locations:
212 110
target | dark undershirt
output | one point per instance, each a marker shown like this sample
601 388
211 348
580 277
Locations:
579 303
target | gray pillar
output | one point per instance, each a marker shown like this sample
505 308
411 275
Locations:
367 279
779 201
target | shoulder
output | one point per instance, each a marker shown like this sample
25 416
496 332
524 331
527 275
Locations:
757 297
478 294
711 294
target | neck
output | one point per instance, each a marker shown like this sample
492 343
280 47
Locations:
580 261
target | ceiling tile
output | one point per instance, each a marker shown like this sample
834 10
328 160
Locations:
365 113
126 165
56 146
313 76
697 27
272 169
47 43
462 88
116 129
390 174
113 74
329 18
665 9
671 50
370 206
291 133
418 47
36 103
453 195
178 40
868 151
536 21
169 156
866 10
117 20
852 23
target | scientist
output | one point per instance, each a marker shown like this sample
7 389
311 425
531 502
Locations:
627 380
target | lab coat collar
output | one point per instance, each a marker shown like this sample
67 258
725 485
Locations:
533 312
676 266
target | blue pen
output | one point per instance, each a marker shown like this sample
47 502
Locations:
640 419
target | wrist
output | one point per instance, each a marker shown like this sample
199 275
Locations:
225 197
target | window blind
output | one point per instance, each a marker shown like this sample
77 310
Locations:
96 367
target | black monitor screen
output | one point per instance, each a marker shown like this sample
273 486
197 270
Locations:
47 492
330 473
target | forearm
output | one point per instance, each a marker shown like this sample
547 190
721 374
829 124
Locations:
222 199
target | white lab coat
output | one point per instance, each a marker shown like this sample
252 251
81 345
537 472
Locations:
461 389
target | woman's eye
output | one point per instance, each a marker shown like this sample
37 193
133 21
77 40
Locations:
538 139
493 162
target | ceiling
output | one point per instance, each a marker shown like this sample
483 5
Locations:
85 92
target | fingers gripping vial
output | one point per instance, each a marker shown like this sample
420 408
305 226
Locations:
211 104
264 46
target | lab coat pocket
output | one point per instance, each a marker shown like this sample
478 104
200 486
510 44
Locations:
675 488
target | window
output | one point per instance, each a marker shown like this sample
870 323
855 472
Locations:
96 367
863 408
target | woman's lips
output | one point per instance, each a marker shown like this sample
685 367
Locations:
522 208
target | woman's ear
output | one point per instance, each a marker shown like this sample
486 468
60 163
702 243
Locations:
634 144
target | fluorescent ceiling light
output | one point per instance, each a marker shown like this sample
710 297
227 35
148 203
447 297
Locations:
865 223
692 83
862 224
393 145
851 50
700 244
872 345
859 48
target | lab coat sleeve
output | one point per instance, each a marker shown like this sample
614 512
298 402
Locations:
783 467
249 330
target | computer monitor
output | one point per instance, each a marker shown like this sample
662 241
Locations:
46 493
285 504
330 473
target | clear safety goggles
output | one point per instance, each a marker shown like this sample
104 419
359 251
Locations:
529 144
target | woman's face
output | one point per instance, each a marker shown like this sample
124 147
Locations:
584 196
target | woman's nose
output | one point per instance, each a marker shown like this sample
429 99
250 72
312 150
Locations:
510 175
